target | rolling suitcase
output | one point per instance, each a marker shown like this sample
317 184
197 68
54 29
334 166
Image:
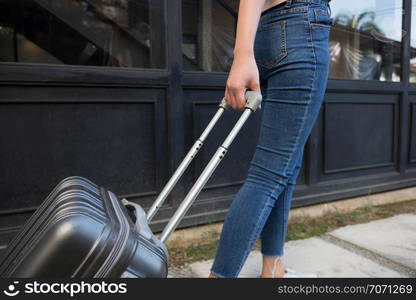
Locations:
82 230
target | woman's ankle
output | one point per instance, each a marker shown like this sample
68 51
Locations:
273 267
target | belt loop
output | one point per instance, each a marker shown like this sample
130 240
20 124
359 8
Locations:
288 3
331 19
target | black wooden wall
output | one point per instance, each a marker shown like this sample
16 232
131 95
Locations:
129 128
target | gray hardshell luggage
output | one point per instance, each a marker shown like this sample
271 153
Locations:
82 230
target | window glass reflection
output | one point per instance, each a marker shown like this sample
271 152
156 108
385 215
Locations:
117 33
208 34
366 39
413 45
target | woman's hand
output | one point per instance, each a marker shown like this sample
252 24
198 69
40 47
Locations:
244 75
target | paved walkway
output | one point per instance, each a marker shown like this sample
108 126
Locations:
381 248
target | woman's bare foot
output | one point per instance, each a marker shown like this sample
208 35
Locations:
211 275
273 267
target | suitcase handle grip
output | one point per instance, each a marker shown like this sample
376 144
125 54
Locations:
253 101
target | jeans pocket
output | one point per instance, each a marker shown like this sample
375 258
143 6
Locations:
320 18
270 44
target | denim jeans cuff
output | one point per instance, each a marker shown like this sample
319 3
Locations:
272 254
218 274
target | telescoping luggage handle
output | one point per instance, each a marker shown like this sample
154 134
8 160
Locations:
253 102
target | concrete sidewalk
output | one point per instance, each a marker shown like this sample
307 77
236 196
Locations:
381 248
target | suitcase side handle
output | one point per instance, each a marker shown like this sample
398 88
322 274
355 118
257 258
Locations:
140 224
253 103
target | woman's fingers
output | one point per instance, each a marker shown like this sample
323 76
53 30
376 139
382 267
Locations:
255 86
228 97
235 95
240 100
243 75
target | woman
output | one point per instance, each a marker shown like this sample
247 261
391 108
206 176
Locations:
282 51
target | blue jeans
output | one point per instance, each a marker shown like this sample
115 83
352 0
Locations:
292 55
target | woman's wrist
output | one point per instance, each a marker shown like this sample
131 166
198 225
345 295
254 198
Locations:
243 52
